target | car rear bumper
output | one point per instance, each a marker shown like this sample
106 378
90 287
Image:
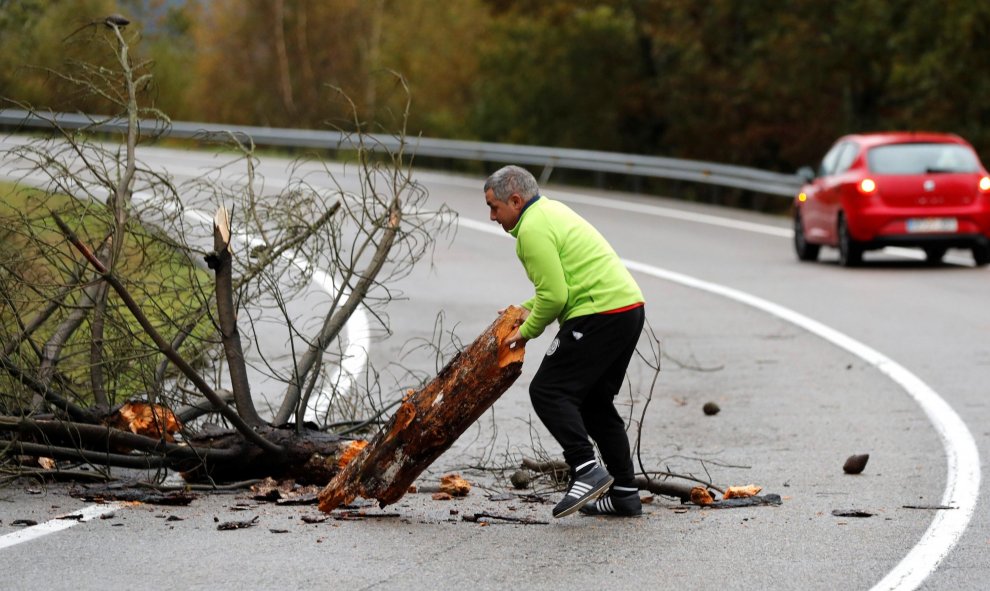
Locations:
929 240
877 224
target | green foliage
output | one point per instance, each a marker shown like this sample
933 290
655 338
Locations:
757 82
556 77
36 264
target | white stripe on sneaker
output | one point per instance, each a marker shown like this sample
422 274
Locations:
578 489
582 466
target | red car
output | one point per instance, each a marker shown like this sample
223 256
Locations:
926 190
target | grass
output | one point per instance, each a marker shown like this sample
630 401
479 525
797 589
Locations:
36 265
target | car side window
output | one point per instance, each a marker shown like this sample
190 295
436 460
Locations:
828 162
846 157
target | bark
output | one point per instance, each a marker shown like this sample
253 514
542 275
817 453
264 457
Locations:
282 57
667 488
227 313
211 456
309 457
429 421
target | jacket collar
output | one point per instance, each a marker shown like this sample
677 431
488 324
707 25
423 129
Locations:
515 229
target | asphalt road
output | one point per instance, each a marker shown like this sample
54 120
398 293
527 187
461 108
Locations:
810 363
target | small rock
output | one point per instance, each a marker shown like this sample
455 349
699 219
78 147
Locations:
710 408
855 464
521 479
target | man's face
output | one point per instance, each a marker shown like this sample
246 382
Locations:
506 213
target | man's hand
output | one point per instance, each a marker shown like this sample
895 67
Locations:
515 339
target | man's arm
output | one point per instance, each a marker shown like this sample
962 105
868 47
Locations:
542 263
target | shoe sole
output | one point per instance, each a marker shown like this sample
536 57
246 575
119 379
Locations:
594 494
602 514
591 510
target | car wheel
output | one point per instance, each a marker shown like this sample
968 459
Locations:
981 255
934 254
850 251
805 250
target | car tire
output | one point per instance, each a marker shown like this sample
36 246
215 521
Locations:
981 255
850 251
805 250
934 254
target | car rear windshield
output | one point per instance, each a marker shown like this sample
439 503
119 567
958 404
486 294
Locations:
921 158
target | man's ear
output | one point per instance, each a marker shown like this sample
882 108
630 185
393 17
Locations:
517 201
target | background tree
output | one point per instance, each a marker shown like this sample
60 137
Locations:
766 84
555 74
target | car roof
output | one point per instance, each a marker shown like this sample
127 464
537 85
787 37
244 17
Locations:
870 140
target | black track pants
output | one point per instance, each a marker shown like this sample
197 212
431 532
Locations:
574 389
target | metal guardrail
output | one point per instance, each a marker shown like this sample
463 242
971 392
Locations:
752 179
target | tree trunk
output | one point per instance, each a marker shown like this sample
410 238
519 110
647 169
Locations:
429 421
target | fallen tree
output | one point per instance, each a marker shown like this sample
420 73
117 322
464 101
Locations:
106 364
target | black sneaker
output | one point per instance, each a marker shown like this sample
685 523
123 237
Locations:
613 504
583 490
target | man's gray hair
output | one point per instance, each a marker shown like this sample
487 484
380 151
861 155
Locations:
512 179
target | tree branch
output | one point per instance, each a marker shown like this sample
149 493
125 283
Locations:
164 346
61 433
335 322
50 396
220 262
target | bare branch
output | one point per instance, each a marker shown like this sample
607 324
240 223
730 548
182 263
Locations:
50 396
164 346
334 323
226 311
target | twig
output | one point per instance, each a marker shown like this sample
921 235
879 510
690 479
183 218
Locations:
232 487
478 517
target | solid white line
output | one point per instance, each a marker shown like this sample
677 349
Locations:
713 220
655 210
58 524
962 485
677 214
707 219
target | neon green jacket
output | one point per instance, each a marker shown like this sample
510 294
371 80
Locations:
574 270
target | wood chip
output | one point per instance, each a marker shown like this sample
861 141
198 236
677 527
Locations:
851 513
229 525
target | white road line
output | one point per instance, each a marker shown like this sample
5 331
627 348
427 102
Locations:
713 220
655 210
708 219
58 524
962 457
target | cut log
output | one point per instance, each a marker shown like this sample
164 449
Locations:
429 421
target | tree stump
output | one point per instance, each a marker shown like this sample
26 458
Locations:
429 421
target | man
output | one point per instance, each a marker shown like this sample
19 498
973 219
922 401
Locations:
580 282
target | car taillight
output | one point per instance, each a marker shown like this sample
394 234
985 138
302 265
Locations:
867 186
984 184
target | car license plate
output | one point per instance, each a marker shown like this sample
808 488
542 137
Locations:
918 225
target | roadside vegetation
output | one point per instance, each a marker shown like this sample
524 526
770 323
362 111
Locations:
33 254
749 82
